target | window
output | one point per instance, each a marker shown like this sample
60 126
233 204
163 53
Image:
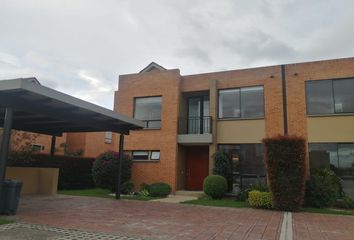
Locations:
108 137
330 96
247 161
247 158
148 109
241 103
339 157
37 147
155 155
141 155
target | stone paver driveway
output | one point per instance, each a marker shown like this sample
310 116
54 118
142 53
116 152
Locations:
152 220
308 226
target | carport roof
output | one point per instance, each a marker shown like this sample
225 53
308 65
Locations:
44 110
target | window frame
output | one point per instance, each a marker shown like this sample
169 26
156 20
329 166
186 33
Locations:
334 113
240 99
147 121
149 156
153 159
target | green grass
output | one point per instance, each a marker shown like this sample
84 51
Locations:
4 221
329 211
95 192
218 203
104 193
240 204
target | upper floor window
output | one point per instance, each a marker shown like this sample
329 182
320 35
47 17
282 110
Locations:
245 102
148 109
330 96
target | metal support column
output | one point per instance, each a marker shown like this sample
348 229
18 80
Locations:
121 149
5 144
52 147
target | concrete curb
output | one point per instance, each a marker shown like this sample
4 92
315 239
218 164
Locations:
286 232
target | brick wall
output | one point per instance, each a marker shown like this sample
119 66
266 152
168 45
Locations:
155 83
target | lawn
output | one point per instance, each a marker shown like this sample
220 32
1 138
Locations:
103 193
4 221
240 204
329 211
218 203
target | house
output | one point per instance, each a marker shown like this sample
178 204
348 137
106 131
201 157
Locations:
190 117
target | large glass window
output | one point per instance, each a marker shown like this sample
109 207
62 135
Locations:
330 96
252 102
148 110
344 95
319 97
241 103
247 162
229 103
337 156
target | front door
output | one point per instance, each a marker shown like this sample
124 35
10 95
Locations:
197 166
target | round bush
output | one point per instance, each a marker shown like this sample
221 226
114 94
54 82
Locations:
159 190
323 188
105 170
215 186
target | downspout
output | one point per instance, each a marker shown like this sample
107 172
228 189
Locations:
285 110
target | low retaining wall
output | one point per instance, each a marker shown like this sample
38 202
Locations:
35 180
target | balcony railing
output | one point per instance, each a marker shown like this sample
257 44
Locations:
195 125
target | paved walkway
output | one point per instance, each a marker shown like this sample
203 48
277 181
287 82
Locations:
152 220
158 220
322 226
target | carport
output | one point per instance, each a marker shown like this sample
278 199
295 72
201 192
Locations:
26 105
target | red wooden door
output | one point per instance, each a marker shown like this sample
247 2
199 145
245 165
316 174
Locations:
197 166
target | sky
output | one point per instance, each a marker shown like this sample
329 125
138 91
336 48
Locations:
80 47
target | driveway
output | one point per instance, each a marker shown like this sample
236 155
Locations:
127 219
152 220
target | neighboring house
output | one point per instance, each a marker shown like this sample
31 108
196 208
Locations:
188 118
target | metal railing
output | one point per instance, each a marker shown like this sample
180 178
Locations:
195 125
154 124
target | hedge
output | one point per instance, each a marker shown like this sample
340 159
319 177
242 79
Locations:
74 172
259 199
286 171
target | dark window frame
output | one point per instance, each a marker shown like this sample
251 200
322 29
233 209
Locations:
334 113
147 121
240 99
332 143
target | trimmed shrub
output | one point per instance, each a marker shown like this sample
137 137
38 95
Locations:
257 199
74 172
127 187
323 188
159 190
215 186
223 167
105 170
286 171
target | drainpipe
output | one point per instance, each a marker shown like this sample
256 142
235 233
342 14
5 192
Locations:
5 144
285 110
121 147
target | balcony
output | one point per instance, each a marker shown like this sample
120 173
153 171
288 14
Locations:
195 130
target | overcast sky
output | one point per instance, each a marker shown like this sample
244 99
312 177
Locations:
80 47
